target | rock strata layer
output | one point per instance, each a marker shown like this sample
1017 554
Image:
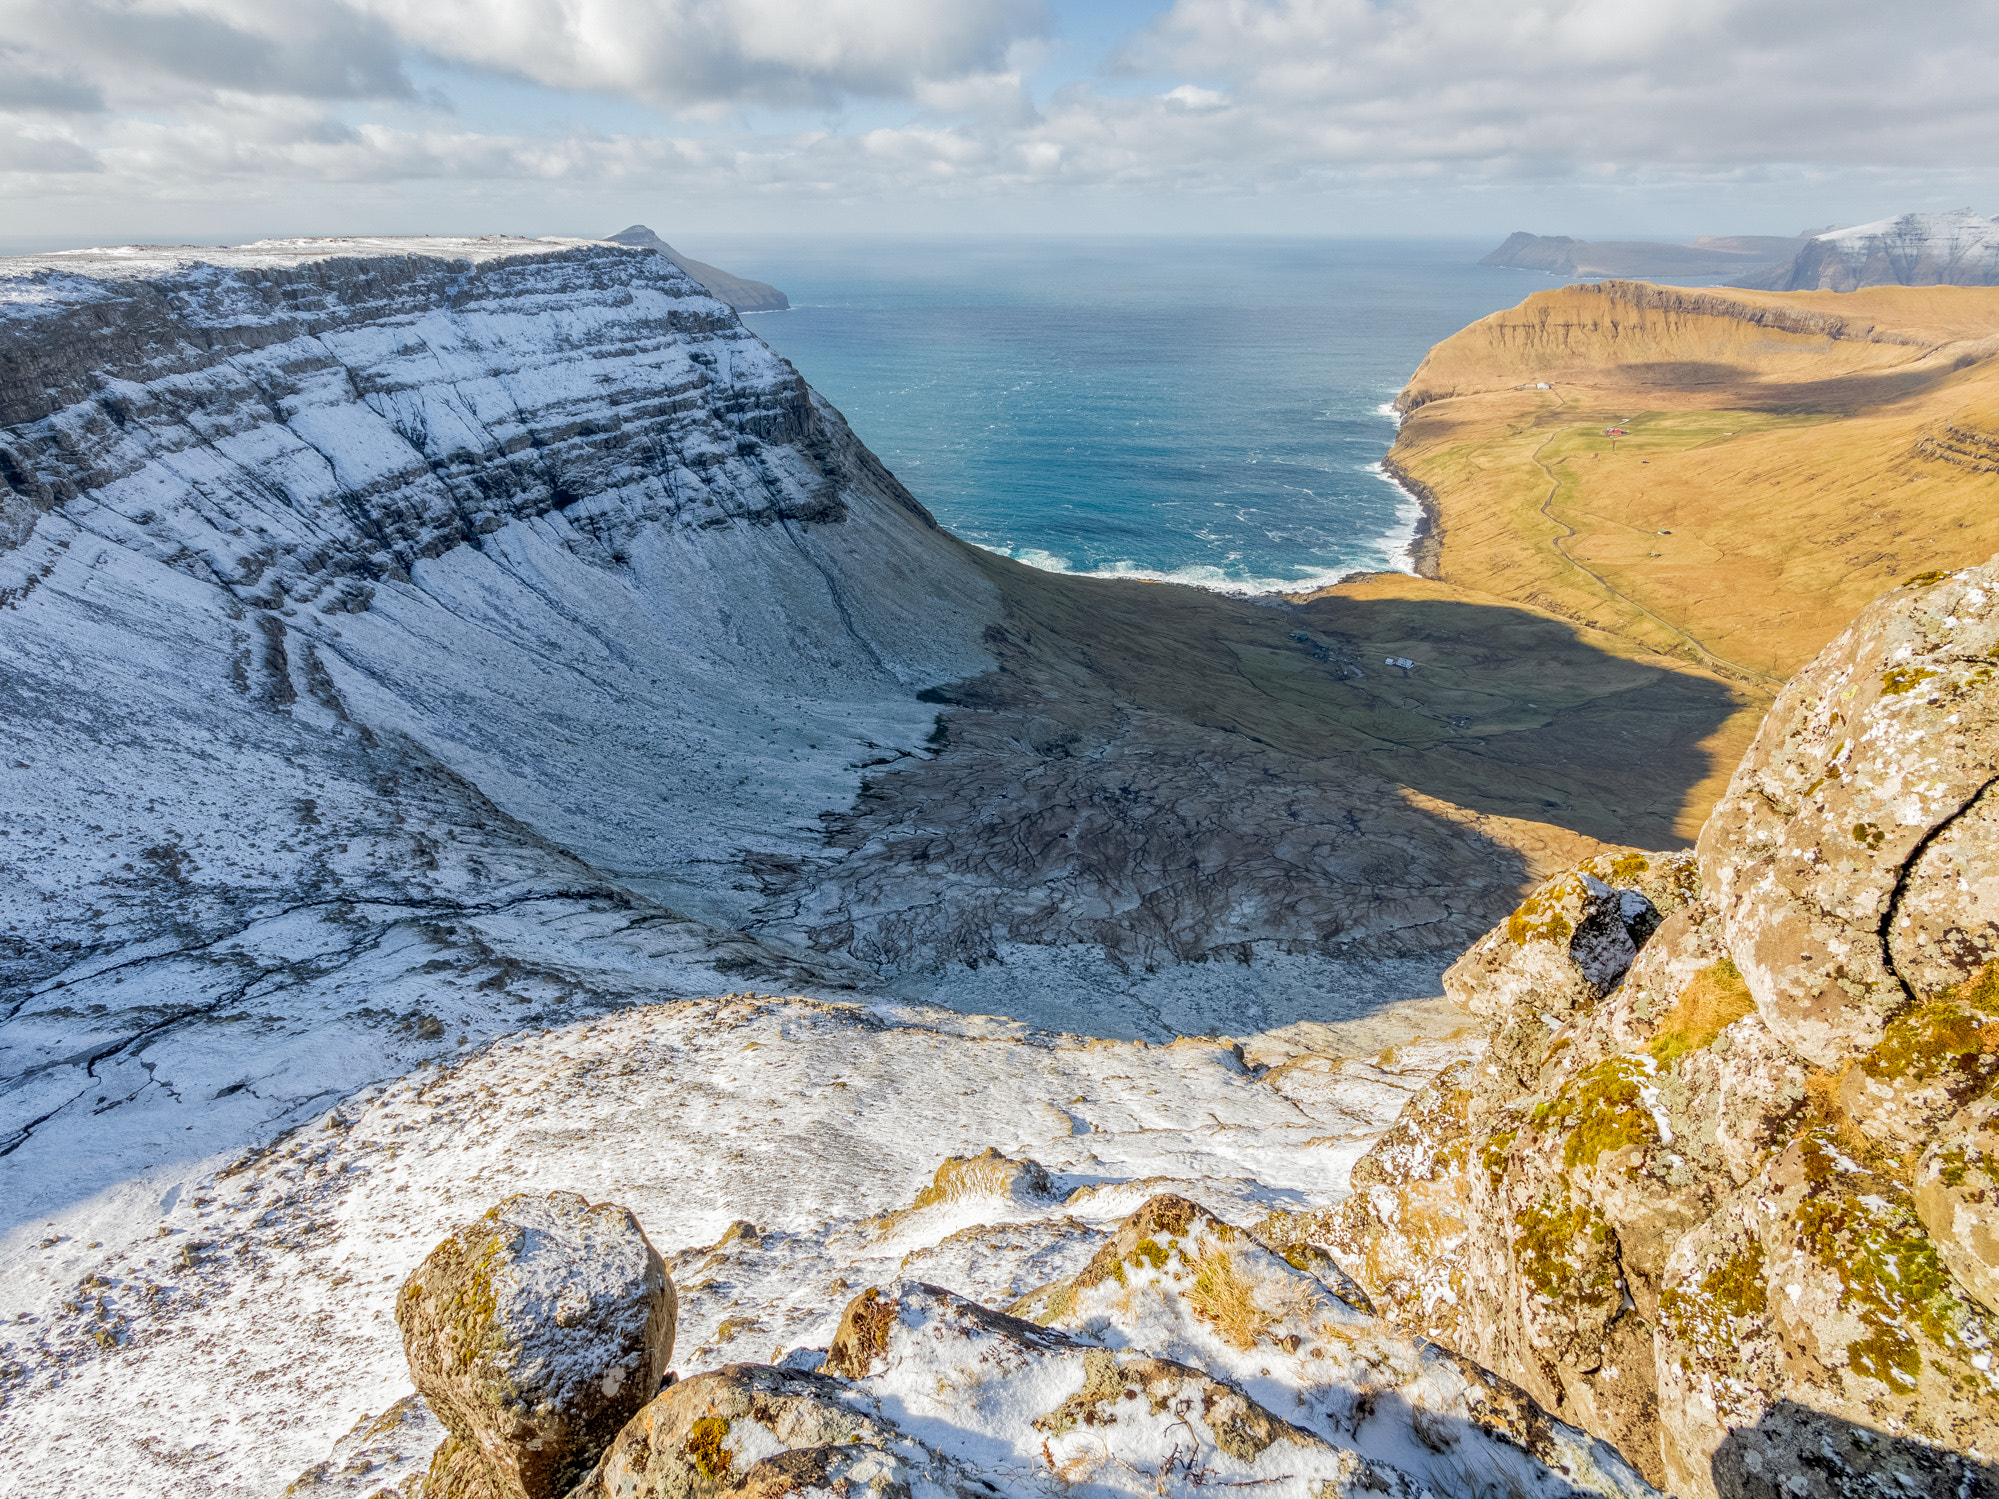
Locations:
1719 1192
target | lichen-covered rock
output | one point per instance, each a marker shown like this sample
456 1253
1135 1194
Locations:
1739 1194
1186 1286
755 1430
1573 937
535 1332
1401 1233
1956 1195
1867 758
1817 1285
1565 947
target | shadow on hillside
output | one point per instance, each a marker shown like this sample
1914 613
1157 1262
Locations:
1738 388
1506 712
1797 1453
1217 795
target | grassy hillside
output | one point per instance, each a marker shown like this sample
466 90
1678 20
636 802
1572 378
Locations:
1790 456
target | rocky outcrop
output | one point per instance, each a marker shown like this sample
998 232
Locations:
1160 1369
1960 248
1182 1284
739 292
1719 1192
535 1334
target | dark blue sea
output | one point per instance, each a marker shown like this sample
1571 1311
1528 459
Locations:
1208 410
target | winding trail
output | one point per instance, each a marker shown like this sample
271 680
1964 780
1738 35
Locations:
1722 663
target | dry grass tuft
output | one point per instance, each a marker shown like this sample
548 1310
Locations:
1715 999
1224 1298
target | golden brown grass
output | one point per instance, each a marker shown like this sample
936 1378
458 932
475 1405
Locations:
1225 1299
1713 1000
1792 456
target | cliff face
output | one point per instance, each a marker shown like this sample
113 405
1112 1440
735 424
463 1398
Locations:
1917 249
384 618
1721 1190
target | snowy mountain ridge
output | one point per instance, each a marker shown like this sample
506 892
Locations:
1959 248
358 588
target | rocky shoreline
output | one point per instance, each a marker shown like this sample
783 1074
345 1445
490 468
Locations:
1426 543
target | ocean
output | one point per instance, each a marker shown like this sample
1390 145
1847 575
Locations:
1211 411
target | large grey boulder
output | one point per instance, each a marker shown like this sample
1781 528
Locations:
535 1333
1853 854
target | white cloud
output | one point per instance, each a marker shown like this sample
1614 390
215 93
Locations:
136 100
1502 84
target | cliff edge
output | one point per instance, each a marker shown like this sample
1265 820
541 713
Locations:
1726 476
740 292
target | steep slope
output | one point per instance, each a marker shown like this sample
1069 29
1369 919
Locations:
390 627
1783 457
739 292
1917 249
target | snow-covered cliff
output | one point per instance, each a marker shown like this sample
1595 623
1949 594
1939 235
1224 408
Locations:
1960 248
402 640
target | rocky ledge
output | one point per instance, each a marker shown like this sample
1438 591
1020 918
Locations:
1721 1191
1186 1354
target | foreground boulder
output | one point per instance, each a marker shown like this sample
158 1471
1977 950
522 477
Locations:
535 1333
1186 1286
1722 1190
753 1429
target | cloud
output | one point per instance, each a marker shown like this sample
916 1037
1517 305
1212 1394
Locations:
1281 100
142 52
33 84
1500 85
679 53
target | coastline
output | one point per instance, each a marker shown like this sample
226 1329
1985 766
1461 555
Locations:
1426 541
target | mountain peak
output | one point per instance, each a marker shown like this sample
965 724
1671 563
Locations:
739 292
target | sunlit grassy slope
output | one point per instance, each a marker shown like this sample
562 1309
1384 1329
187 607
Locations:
1791 455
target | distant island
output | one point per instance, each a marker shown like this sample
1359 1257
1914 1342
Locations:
1710 255
1960 248
739 292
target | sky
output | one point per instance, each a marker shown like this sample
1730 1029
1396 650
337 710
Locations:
215 121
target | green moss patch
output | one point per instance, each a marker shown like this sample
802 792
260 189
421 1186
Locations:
705 1450
1540 917
1953 1037
1890 1276
1899 679
1599 1110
